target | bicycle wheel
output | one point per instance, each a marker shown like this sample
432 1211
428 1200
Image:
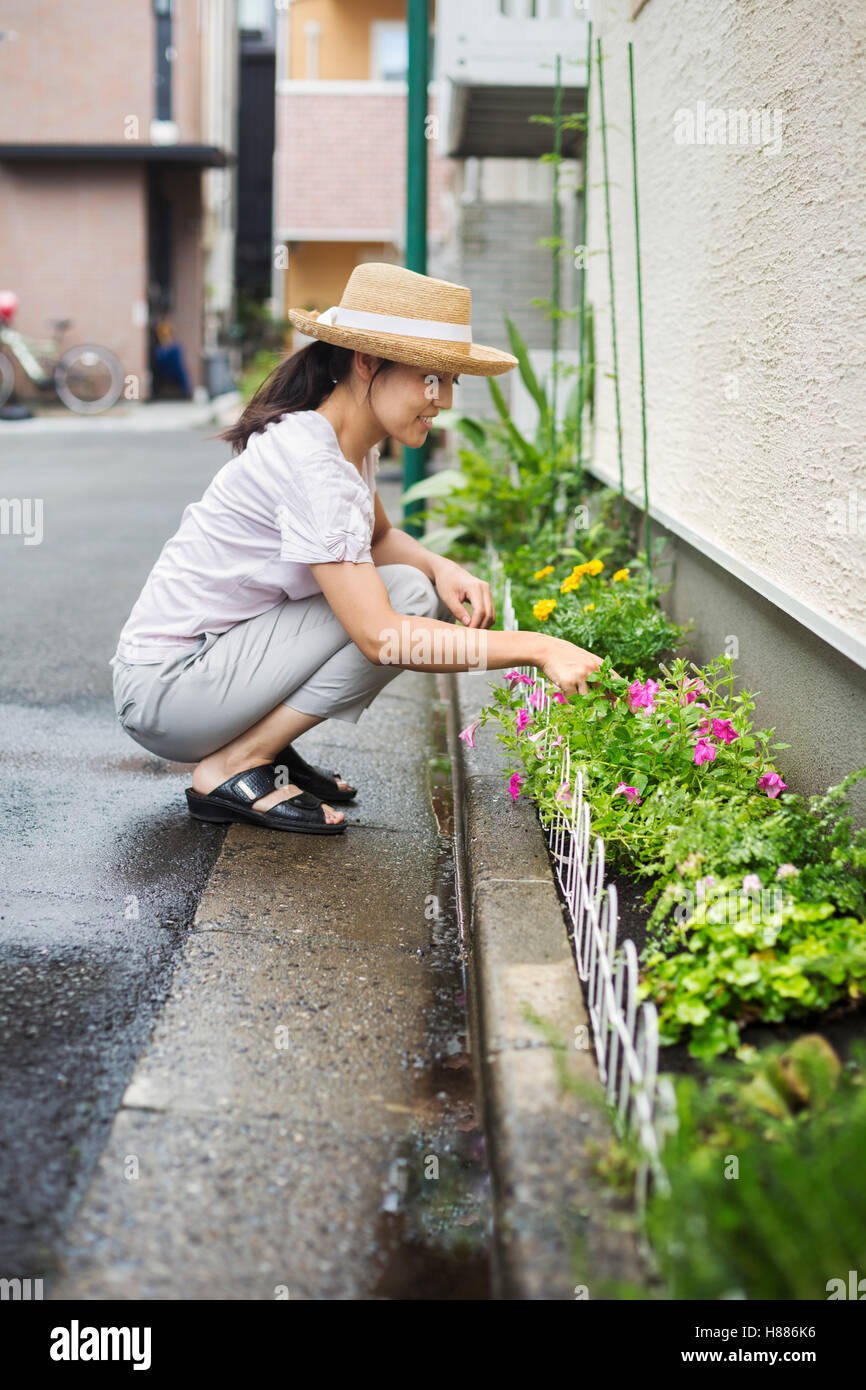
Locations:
88 379
7 378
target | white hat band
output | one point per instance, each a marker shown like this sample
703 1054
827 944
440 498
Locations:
339 317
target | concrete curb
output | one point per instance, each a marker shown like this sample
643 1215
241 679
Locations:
556 1230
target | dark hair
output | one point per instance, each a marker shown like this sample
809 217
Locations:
300 382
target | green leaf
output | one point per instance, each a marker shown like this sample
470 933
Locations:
441 540
523 446
470 429
530 380
440 484
691 1011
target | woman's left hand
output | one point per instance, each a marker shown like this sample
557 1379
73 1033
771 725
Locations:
455 585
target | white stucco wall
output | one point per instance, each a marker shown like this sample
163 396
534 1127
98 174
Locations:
754 283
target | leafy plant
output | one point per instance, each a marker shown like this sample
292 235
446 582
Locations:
507 485
766 1195
660 767
616 612
258 332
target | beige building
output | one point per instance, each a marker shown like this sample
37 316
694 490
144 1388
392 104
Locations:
117 139
340 147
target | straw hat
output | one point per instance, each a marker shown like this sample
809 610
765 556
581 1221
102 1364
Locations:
396 313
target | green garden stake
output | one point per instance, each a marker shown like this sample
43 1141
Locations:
640 321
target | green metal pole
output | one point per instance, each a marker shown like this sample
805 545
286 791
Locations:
418 23
557 252
610 276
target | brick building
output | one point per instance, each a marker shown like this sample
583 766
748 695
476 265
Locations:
340 160
117 133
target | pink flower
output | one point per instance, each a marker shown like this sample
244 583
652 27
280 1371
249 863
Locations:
514 785
642 696
468 734
787 871
669 721
692 691
704 728
772 784
557 740
704 752
563 792
518 678
752 884
631 792
535 738
537 699
523 718
723 729
559 697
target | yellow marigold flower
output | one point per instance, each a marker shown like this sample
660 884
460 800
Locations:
542 574
594 567
581 569
621 574
570 583
543 608
589 607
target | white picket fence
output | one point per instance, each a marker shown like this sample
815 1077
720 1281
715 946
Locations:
625 1035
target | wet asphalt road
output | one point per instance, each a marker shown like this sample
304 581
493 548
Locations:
101 866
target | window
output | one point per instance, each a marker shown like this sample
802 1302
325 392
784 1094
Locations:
256 16
163 57
540 9
389 51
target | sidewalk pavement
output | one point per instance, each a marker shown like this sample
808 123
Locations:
304 1048
302 1059
129 416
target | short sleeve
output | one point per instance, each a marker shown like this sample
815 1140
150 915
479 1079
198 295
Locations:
322 517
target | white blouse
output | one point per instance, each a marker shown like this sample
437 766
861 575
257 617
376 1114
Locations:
289 500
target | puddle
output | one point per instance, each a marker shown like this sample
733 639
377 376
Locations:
434 1232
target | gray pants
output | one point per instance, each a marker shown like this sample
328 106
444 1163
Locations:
296 653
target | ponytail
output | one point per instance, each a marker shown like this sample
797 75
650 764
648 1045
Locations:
300 382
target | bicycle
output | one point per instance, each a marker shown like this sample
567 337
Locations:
87 378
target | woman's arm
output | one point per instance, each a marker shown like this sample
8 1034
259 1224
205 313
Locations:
454 584
361 603
397 547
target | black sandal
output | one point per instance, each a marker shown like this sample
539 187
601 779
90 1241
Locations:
233 799
312 779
